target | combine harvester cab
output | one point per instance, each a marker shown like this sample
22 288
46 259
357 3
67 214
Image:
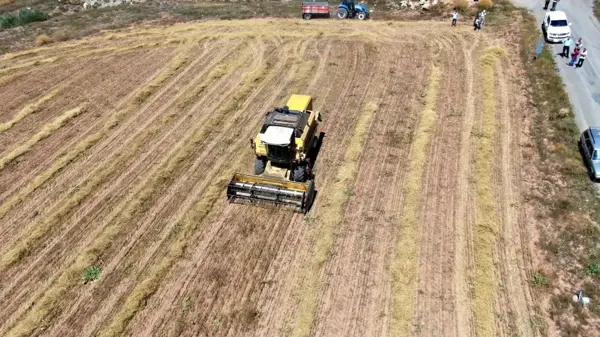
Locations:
285 153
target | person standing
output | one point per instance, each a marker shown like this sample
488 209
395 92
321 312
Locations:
582 56
566 47
554 3
454 17
579 44
546 3
573 58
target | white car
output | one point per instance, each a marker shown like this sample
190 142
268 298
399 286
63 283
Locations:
556 27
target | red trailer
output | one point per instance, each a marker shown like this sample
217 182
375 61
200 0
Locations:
314 8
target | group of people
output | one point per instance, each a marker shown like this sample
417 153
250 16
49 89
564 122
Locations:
578 55
554 3
477 23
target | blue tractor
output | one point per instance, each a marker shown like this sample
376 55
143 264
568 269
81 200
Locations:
347 9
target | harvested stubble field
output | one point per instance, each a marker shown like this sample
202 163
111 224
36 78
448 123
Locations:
116 150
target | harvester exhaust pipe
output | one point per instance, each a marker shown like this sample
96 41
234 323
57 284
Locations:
272 190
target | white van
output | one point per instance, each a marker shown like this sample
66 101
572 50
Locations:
556 27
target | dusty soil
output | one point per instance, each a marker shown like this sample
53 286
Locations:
133 182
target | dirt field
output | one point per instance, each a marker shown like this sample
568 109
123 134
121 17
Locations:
115 152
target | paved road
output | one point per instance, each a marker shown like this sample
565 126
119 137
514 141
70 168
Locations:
583 84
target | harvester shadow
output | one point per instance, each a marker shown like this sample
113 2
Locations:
313 154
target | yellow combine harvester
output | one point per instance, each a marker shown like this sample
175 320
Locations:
284 151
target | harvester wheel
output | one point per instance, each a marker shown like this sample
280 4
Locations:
361 15
342 13
259 166
307 16
299 173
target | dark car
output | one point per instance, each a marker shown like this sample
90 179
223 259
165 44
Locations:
589 144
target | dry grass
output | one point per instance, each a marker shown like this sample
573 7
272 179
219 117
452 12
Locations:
138 205
461 5
329 219
43 39
404 264
177 240
88 142
26 65
485 4
61 35
486 213
28 110
176 64
46 131
40 179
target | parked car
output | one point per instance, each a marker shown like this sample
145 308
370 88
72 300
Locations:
556 27
589 145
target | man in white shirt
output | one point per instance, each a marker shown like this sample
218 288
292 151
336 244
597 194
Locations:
582 56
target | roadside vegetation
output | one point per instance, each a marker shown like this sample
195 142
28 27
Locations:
22 17
72 22
567 204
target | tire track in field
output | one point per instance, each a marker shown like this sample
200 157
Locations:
240 324
330 219
130 150
158 179
404 264
77 148
517 292
300 322
131 168
190 144
18 88
45 132
463 242
242 96
238 144
110 124
434 314
329 310
28 110
50 148
348 306
98 84
104 151
275 294
329 156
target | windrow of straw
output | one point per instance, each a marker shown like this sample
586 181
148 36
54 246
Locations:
487 222
329 219
404 264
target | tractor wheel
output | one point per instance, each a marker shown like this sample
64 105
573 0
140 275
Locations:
342 13
299 173
361 15
259 166
307 16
